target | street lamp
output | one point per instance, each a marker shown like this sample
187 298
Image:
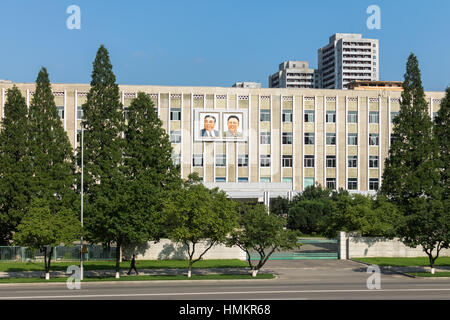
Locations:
82 228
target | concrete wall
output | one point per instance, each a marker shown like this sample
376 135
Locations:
167 250
380 247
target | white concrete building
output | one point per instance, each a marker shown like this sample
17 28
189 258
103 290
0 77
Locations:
346 58
293 74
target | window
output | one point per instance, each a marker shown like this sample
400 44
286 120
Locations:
352 184
352 161
309 138
198 160
394 138
373 161
331 138
309 161
221 179
265 160
176 159
265 115
373 117
265 137
331 161
331 183
243 179
331 116
221 160
373 184
175 136
243 160
175 114
287 116
352 139
80 113
264 179
287 179
61 112
287 138
352 117
373 139
125 113
308 182
394 114
309 115
287 161
78 135
435 114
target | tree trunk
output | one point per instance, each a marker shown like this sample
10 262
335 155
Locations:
118 260
254 273
190 268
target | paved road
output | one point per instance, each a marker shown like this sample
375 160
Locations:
301 279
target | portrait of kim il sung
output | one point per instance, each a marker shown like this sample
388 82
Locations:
210 126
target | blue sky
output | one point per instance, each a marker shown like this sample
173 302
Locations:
213 43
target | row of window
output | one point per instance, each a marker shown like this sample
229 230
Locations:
352 183
330 117
221 161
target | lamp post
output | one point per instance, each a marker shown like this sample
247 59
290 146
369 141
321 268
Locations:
82 227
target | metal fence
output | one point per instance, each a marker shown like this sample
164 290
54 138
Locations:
60 253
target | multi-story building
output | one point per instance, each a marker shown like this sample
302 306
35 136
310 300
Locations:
266 142
346 58
294 74
376 85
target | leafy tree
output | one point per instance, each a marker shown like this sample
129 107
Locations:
43 229
51 154
279 206
412 175
15 168
107 193
196 214
365 215
262 232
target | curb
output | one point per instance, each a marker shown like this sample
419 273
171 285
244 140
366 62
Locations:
383 267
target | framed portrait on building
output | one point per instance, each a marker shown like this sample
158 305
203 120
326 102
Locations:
207 126
234 125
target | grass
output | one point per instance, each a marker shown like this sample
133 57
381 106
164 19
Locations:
143 278
406 262
429 275
110 265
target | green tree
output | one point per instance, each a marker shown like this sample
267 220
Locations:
51 154
261 232
442 135
149 170
197 214
309 208
15 168
41 228
412 175
280 206
107 192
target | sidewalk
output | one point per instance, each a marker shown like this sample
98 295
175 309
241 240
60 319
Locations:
123 272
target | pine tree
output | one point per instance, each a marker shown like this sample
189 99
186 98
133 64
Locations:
15 169
410 170
105 183
411 178
442 134
50 150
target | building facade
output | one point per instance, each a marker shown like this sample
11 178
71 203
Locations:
294 74
266 142
346 58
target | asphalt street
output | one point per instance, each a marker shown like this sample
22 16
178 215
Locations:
298 279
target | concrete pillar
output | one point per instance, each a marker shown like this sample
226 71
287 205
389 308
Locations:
267 199
342 242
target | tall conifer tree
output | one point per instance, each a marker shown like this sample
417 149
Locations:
50 150
442 134
15 169
105 182
411 177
